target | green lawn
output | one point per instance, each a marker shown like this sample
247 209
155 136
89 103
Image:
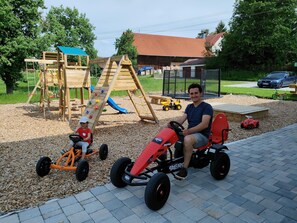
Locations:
149 84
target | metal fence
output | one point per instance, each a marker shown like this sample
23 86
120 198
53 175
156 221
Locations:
176 82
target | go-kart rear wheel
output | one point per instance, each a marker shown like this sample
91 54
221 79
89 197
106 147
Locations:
157 191
82 170
220 166
43 166
117 171
103 151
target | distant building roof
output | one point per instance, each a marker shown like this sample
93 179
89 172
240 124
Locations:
72 51
158 45
212 39
191 62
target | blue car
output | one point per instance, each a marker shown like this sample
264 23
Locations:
277 79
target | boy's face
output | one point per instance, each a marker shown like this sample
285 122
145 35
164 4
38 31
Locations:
84 125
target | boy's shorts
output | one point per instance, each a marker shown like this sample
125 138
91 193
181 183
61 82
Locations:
201 140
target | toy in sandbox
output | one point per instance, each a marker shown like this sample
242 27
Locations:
249 123
70 160
171 104
150 169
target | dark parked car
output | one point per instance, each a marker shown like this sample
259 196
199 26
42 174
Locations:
277 79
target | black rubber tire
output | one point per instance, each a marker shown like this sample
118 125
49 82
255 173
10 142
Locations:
82 170
117 171
103 152
157 191
43 166
220 166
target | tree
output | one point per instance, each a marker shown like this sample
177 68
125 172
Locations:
124 45
203 34
262 34
221 27
19 37
67 27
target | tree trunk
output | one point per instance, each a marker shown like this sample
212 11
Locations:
9 88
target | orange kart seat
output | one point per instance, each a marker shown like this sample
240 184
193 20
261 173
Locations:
219 131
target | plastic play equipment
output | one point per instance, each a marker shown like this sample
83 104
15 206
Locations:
115 106
152 165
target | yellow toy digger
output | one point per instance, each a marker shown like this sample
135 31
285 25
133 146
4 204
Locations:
170 104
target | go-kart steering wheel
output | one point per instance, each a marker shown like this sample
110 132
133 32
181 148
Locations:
177 127
75 138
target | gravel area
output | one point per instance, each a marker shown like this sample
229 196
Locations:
25 136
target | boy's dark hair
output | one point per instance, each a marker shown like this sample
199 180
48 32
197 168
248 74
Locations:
195 85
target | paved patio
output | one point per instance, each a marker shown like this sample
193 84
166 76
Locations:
261 187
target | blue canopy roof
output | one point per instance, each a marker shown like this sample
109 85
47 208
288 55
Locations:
72 51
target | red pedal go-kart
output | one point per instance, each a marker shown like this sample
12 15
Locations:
249 123
151 167
70 160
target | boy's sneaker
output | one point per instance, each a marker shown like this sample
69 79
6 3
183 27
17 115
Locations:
182 174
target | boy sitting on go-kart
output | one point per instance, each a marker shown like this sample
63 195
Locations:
86 133
199 116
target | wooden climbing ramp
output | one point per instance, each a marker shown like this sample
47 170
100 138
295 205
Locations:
118 74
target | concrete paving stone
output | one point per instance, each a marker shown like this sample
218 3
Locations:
180 204
142 210
123 194
132 218
111 220
49 207
195 214
209 219
270 195
272 216
215 211
72 209
250 217
132 202
233 209
37 219
84 196
204 194
201 203
154 217
236 199
253 197
221 192
67 201
286 193
217 200
13 218
53 213
187 196
176 216
101 215
122 212
98 190
29 213
57 218
254 189
270 204
113 204
107 196
80 217
90 200
287 203
93 206
228 218
288 212
254 181
269 187
253 207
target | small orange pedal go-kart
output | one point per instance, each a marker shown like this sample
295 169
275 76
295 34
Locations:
70 160
150 169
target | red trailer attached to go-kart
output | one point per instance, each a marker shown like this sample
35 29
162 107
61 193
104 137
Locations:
152 166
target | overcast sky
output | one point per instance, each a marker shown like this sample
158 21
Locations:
161 17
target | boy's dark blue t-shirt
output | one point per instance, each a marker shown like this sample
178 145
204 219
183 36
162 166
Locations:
194 116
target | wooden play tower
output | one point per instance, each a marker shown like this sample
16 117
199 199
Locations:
118 74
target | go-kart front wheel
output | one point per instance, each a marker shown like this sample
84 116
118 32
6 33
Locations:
117 171
220 166
103 151
82 170
157 191
43 166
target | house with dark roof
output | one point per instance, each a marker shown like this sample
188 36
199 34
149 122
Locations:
161 51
